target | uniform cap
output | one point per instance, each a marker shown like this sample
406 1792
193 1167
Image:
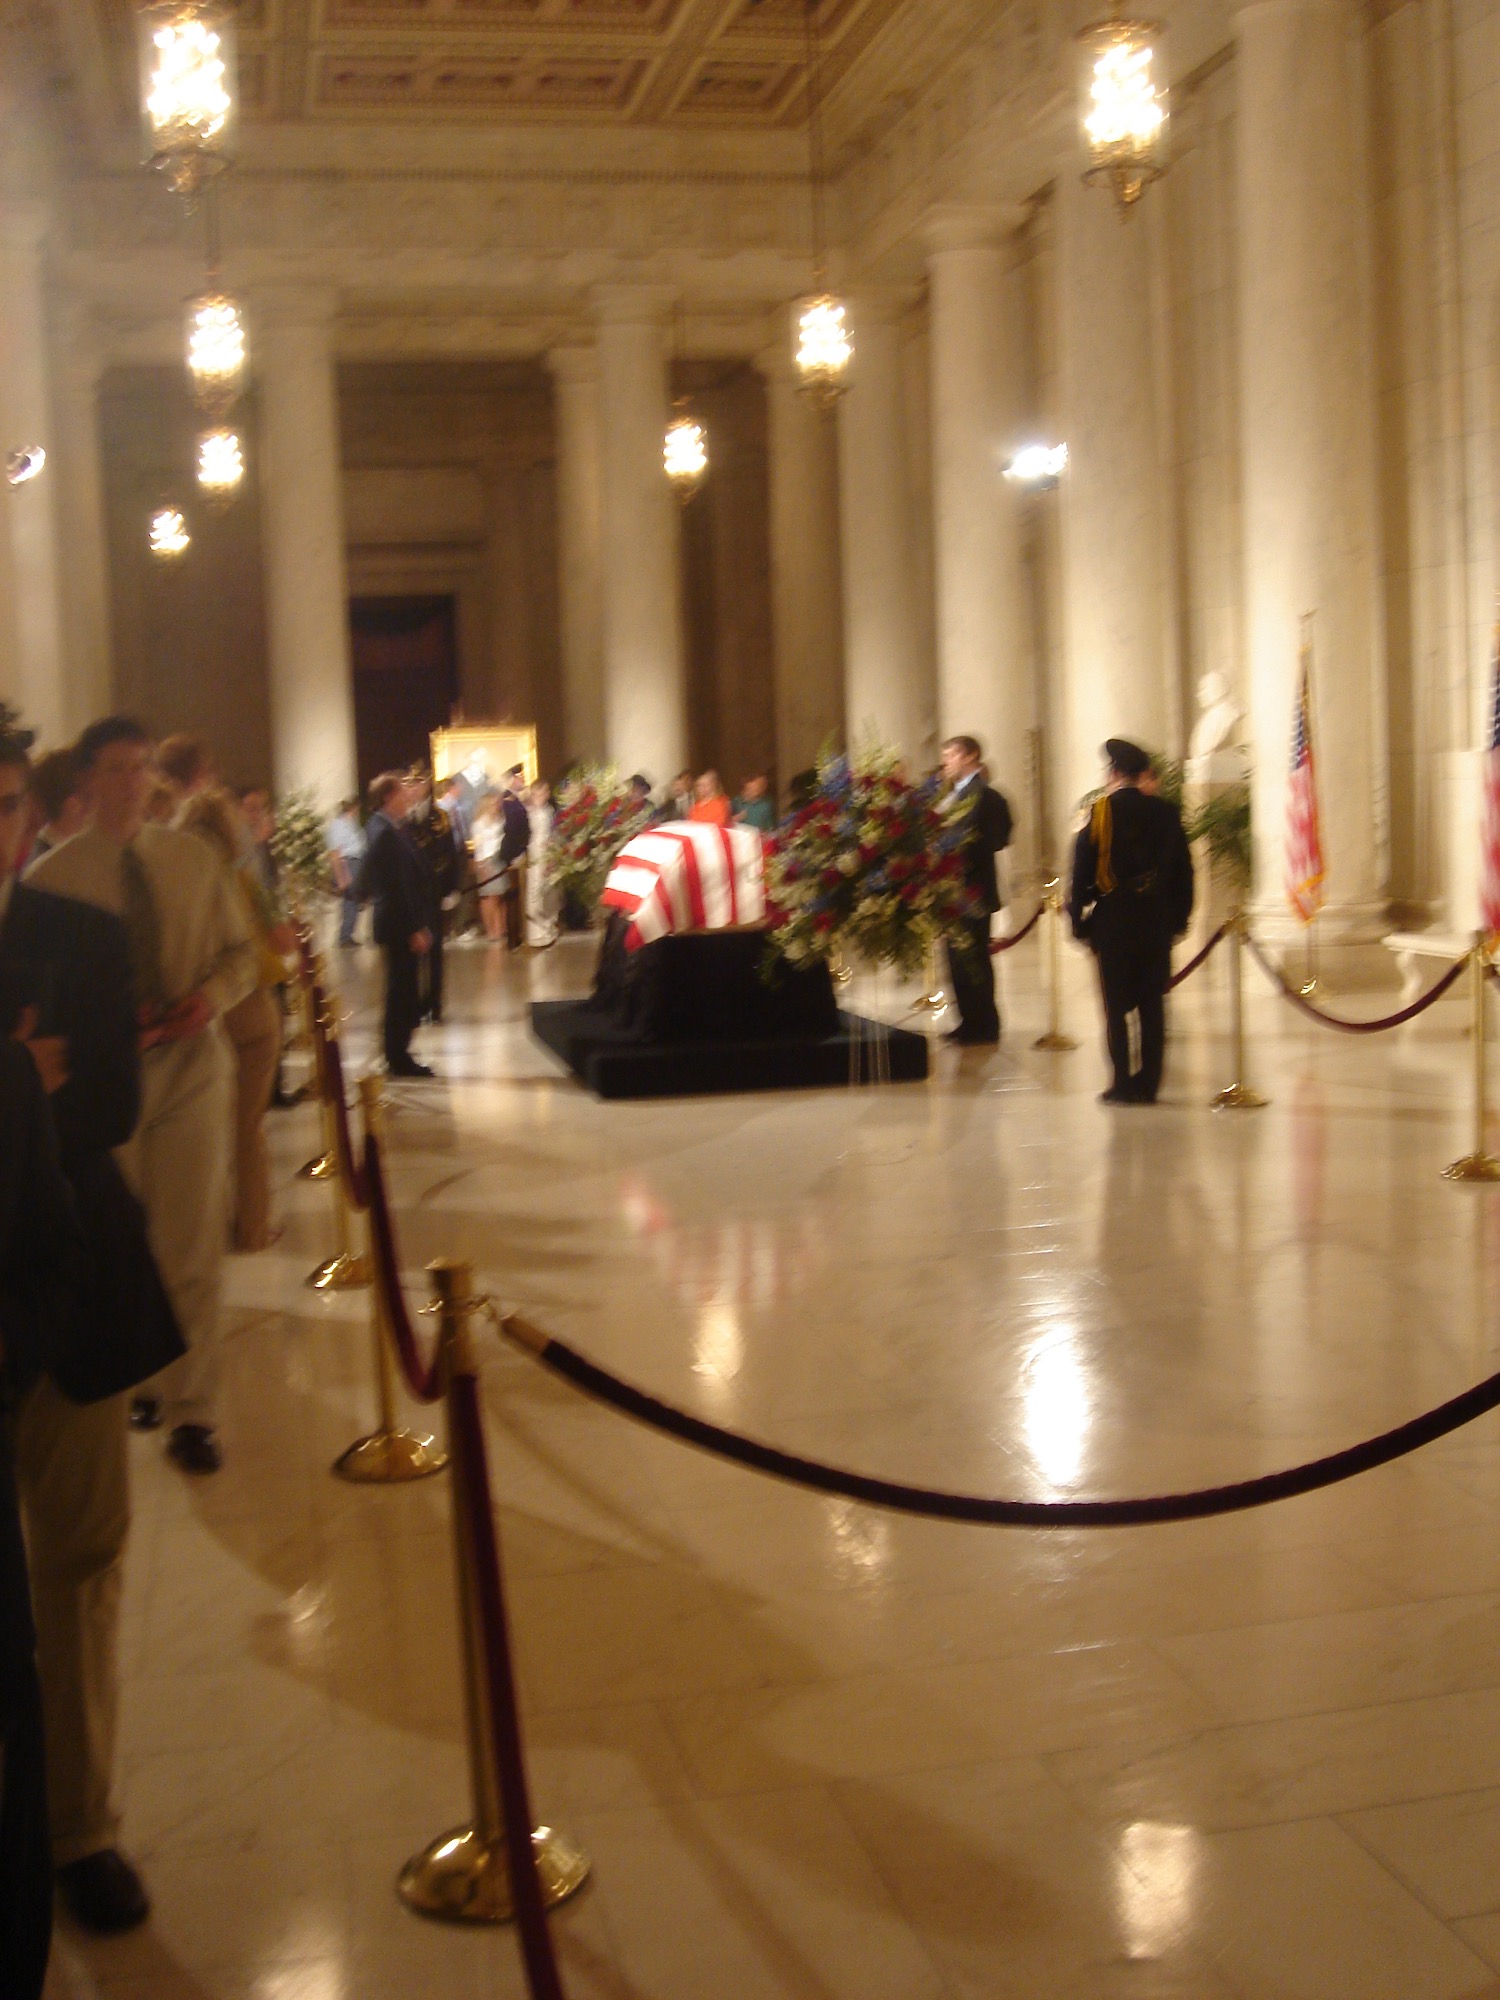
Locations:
1129 759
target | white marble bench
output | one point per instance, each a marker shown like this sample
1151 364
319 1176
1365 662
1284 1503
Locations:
1411 947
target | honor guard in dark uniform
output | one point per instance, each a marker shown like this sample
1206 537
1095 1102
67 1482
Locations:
431 831
1132 893
985 820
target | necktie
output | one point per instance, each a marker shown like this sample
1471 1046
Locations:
143 930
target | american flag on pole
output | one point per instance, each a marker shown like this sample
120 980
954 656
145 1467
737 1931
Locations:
1304 846
1489 820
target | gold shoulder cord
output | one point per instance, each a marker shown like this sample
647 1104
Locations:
1101 830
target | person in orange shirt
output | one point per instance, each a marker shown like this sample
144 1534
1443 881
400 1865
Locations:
709 802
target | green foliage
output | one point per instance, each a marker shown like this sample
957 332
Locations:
595 817
299 843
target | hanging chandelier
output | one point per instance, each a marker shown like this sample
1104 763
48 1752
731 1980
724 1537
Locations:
169 534
824 349
685 454
221 465
1124 109
215 352
186 50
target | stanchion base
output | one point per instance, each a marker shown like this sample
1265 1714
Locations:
462 1879
344 1273
1474 1167
323 1168
1239 1097
389 1458
1061 1044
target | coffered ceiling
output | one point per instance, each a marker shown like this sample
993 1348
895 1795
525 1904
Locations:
704 64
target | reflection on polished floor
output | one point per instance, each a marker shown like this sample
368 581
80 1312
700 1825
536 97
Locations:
817 1752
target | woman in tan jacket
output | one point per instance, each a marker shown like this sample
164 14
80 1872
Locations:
254 1026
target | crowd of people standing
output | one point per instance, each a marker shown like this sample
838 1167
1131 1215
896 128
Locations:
143 960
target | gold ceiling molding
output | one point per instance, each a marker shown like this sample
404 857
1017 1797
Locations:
720 64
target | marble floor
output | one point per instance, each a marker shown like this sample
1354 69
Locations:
818 1752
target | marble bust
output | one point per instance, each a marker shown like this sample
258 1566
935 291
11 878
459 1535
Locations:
1213 757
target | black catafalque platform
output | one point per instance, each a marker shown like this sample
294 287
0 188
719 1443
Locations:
690 1016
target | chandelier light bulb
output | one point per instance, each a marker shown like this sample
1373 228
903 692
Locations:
1124 110
215 352
169 534
685 455
824 350
24 464
186 94
221 464
1038 466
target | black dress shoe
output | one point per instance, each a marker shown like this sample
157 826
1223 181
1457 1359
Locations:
145 1413
414 1069
103 1893
194 1448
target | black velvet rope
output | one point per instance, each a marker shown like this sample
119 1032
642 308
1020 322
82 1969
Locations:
1192 965
1418 1006
936 1504
423 1378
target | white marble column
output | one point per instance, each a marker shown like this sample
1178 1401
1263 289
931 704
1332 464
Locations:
886 696
1117 666
30 512
302 523
806 588
575 390
89 681
984 641
1307 441
645 705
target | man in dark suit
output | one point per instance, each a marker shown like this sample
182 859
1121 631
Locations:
38 1251
1132 893
515 838
983 819
431 832
67 992
393 879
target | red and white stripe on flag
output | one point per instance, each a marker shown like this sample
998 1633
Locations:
1489 817
687 876
1304 843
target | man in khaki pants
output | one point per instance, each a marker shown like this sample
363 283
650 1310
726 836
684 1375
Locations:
193 959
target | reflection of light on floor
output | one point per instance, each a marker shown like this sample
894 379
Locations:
1156 1873
755 1260
718 1344
307 1980
861 1540
1058 1410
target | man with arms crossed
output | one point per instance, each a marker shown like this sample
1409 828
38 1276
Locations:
192 958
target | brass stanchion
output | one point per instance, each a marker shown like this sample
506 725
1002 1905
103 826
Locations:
1237 1096
1478 1165
388 1456
345 1270
1054 1038
935 1000
323 1166
464 1875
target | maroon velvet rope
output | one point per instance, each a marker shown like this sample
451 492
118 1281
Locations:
1418 1006
1192 965
997 945
424 1379
343 1143
471 1462
937 1504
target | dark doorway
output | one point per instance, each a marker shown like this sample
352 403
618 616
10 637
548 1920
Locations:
405 678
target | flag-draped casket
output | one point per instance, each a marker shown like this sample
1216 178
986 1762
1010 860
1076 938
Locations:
687 876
